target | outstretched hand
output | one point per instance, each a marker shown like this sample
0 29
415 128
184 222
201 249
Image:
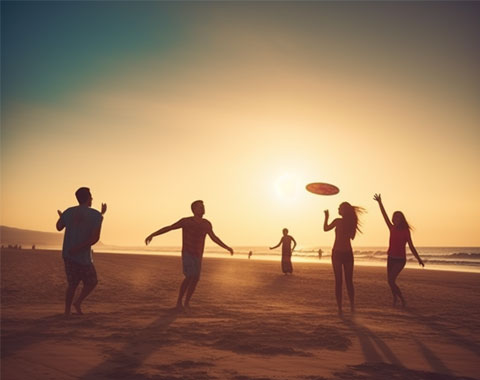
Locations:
59 213
104 208
378 198
148 239
420 262
327 213
231 251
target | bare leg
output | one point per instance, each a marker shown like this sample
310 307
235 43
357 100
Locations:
69 294
191 288
391 282
348 268
337 270
393 270
86 290
181 292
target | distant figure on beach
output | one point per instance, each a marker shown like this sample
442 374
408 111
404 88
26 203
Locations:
82 230
287 249
320 254
397 256
194 230
250 254
346 228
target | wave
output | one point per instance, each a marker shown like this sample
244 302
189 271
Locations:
450 262
455 258
462 255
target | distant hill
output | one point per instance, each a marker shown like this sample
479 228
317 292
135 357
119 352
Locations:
26 238
10 235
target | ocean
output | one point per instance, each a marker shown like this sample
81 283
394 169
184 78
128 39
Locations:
464 259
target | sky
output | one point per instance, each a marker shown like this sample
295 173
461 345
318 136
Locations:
241 104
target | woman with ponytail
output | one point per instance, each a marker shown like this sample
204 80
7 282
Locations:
397 257
346 228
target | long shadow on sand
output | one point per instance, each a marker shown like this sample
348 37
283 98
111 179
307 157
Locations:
435 362
454 337
32 331
122 363
368 340
384 371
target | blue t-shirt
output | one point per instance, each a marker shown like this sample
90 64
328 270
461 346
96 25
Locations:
80 223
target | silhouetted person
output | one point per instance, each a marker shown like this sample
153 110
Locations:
397 255
250 254
346 228
194 230
82 230
287 249
320 254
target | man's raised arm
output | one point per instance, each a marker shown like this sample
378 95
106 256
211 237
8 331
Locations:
174 226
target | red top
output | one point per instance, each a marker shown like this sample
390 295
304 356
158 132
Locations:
398 241
194 233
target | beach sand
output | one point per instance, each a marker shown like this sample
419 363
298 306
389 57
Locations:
248 322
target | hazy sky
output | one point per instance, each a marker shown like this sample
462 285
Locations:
154 105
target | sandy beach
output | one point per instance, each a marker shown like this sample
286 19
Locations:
248 322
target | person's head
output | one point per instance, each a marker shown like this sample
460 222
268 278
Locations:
285 231
84 197
198 208
349 215
399 221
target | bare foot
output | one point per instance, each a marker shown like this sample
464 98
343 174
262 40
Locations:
178 308
78 308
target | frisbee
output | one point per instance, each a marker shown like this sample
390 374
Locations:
322 188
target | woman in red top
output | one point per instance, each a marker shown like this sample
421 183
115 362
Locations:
397 257
346 228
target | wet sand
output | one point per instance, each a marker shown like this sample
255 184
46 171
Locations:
248 322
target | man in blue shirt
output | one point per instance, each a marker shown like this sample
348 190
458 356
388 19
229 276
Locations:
82 230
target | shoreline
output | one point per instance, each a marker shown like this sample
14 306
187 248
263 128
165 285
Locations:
273 258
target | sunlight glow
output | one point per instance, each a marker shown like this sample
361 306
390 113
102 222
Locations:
288 187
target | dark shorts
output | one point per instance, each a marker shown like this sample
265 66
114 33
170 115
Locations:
342 257
78 272
192 265
396 263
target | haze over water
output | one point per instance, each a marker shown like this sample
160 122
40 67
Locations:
153 105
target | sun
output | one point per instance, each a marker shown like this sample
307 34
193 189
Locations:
287 187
